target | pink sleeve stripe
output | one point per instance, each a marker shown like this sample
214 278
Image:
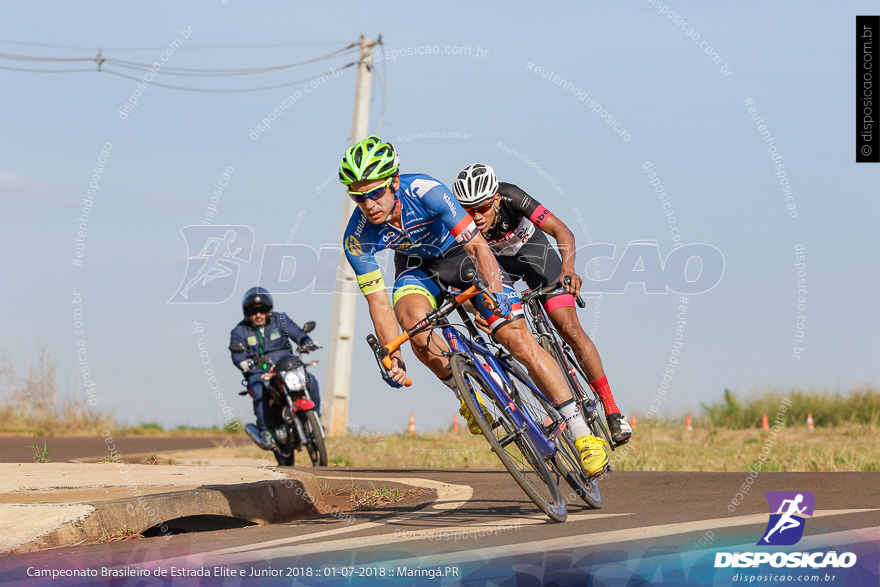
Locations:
540 215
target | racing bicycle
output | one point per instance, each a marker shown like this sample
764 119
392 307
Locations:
579 384
526 433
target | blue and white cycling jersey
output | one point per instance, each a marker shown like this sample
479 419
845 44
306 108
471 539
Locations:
432 219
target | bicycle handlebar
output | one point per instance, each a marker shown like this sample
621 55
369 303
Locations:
527 296
383 353
393 346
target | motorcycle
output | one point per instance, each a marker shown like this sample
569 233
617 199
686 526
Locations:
290 411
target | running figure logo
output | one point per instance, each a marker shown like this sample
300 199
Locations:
214 258
786 526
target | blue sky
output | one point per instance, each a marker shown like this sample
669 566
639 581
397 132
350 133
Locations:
682 114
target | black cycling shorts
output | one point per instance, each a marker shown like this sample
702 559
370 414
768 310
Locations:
538 265
415 275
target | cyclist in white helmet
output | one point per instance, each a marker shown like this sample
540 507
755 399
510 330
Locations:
514 224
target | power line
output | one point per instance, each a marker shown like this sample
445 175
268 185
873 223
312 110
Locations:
210 90
47 70
263 46
14 57
184 70
189 47
105 64
187 71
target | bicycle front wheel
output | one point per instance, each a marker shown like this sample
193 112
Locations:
511 445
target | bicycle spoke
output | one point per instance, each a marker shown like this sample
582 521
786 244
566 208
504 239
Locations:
510 438
512 446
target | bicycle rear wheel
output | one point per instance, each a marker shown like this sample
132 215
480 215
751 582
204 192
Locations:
598 424
591 407
512 447
568 463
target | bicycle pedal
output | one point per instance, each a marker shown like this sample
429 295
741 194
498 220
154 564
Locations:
606 469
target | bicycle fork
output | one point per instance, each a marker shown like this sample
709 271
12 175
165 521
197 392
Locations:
519 421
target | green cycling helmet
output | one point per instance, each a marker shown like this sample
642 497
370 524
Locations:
368 160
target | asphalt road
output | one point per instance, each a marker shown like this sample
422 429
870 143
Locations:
18 449
478 525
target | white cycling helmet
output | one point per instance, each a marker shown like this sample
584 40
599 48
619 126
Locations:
475 183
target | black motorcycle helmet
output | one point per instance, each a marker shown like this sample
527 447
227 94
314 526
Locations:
256 298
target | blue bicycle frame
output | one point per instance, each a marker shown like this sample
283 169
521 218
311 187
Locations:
522 420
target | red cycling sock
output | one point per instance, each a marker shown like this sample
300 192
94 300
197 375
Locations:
604 390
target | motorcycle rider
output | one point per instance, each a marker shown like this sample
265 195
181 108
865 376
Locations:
264 332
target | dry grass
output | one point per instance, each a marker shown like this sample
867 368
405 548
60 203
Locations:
436 451
126 533
32 402
850 447
372 497
726 437
403 451
157 430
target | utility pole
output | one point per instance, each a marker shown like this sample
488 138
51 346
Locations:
345 298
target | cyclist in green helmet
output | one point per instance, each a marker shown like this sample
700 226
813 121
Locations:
433 236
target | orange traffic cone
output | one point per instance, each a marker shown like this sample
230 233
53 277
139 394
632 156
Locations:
411 429
632 422
810 422
455 427
687 423
765 425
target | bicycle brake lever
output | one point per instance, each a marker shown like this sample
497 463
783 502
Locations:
485 290
381 353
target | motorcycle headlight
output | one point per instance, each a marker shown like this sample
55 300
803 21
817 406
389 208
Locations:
295 379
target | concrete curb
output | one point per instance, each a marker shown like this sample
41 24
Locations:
262 502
